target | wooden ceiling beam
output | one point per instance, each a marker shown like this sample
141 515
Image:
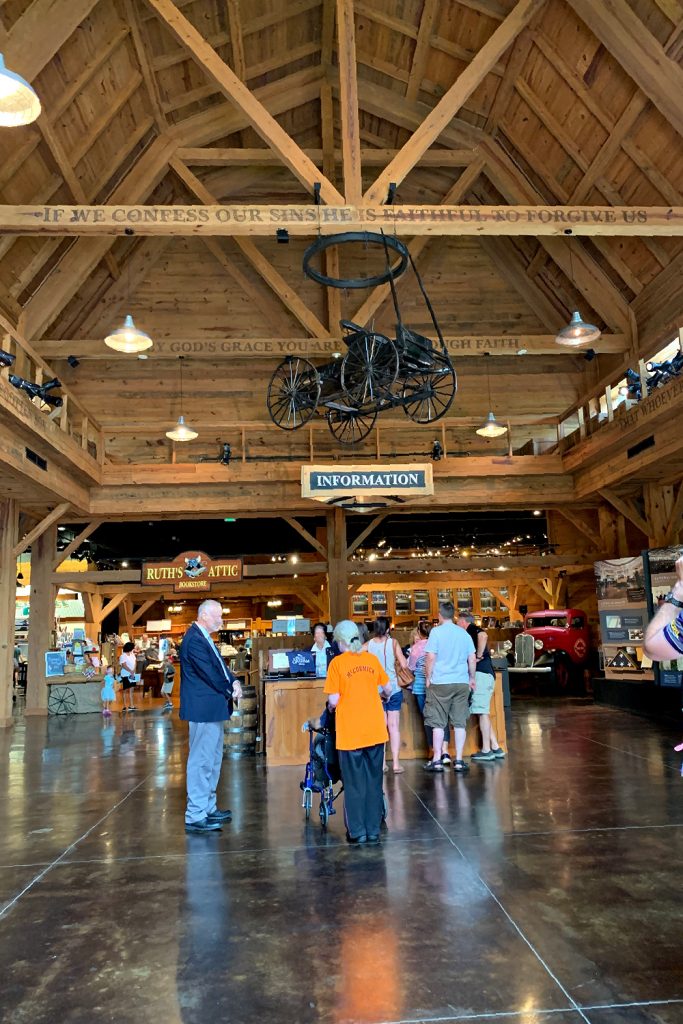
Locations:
452 101
280 343
217 157
53 517
622 32
516 62
75 543
423 44
151 84
259 262
348 102
234 90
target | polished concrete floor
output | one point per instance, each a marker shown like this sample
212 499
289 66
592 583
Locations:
543 889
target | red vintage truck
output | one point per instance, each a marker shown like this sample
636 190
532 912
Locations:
556 644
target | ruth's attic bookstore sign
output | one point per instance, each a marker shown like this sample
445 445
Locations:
401 479
192 571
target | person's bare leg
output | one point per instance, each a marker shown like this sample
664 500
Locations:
485 726
437 745
460 735
393 725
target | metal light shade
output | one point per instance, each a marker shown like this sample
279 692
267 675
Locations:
19 103
181 431
491 427
577 333
128 338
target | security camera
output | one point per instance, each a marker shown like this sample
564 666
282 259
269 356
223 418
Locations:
72 361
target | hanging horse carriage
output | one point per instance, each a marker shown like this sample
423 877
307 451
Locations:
376 372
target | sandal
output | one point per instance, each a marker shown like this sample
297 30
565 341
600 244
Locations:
434 766
461 766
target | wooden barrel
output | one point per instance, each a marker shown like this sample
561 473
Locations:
240 731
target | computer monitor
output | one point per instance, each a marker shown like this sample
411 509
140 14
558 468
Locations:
278 662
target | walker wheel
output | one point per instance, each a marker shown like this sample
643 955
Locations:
307 803
324 814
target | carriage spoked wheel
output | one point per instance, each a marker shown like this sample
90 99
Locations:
350 427
369 368
293 393
428 394
62 701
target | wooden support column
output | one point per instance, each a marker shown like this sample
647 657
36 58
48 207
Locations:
337 566
609 540
9 529
92 605
41 619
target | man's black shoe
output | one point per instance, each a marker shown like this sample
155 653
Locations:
356 840
204 825
219 815
373 840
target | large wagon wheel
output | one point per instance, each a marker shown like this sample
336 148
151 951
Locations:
350 427
369 368
428 394
62 700
293 393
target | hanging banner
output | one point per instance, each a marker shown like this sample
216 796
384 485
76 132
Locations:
190 572
393 480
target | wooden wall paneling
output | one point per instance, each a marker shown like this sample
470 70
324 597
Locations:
86 253
448 106
617 26
39 33
234 90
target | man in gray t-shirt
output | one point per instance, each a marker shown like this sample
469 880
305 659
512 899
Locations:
450 666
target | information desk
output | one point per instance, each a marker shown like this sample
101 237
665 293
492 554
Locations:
289 702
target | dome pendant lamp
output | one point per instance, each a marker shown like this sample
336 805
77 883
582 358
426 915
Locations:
181 431
128 338
490 427
577 333
19 103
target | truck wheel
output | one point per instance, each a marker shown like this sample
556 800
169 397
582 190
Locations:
562 674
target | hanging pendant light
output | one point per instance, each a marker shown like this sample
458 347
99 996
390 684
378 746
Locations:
577 332
19 103
128 338
181 431
490 427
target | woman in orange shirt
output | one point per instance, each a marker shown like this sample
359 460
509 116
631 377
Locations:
353 678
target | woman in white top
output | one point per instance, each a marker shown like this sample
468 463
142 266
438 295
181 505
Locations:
389 654
127 667
320 649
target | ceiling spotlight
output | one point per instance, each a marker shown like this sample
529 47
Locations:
437 451
577 333
537 512
124 565
128 338
294 559
72 361
38 390
19 103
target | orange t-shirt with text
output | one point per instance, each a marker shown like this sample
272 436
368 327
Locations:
360 712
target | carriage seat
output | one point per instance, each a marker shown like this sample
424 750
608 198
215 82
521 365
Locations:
414 346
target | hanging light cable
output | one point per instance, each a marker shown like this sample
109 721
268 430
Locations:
128 338
19 103
577 333
181 431
490 427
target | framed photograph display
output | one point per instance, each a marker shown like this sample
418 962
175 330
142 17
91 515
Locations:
403 604
422 602
360 604
379 601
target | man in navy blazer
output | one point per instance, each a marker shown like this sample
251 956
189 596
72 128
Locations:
207 692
